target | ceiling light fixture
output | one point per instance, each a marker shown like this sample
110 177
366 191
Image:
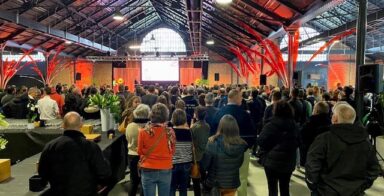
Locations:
134 47
118 15
223 2
68 42
210 42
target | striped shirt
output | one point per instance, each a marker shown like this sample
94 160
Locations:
183 152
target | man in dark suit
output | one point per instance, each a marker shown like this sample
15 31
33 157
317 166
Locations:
150 98
190 102
247 132
71 164
210 112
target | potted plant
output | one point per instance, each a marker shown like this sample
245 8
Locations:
107 104
32 115
5 164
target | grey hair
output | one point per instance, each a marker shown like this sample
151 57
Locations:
209 98
141 112
159 113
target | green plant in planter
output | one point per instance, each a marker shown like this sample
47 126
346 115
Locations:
3 122
107 101
3 141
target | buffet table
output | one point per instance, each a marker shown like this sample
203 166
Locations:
24 147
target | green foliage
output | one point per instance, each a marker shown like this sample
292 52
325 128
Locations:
107 101
202 82
3 122
381 99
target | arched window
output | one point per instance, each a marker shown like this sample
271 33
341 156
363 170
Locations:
163 40
305 33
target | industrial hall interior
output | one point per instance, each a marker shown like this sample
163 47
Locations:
192 97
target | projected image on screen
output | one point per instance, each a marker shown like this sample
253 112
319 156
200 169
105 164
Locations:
160 71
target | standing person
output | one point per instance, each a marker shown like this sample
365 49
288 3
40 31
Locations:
210 112
58 98
298 108
71 164
278 142
175 95
200 133
268 113
224 156
140 119
150 98
247 132
130 106
256 107
182 159
48 108
341 161
318 123
190 102
156 146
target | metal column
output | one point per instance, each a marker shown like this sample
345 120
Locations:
360 54
291 37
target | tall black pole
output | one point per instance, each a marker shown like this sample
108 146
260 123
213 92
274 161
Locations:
360 54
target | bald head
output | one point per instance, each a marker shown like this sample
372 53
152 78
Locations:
72 121
343 114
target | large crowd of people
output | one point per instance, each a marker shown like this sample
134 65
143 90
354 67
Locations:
169 129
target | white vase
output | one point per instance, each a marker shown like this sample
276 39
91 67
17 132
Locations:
30 125
112 121
105 118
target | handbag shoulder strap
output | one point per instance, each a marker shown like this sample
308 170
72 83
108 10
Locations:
154 145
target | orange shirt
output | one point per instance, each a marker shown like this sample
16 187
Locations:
59 100
161 156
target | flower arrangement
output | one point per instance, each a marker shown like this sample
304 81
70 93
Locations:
32 112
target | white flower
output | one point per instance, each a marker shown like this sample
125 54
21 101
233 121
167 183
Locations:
33 108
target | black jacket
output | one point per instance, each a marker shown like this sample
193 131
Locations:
210 117
149 100
223 164
243 119
298 109
341 161
17 107
278 142
190 104
257 107
316 125
73 166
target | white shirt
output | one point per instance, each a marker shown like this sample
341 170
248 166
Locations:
48 108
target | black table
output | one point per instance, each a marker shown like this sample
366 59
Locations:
27 143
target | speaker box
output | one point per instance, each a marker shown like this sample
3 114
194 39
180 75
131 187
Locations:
78 76
297 77
263 79
117 64
371 78
217 76
204 70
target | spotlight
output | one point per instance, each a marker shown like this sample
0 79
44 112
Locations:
223 2
118 15
68 42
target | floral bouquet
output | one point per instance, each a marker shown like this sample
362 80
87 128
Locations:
32 112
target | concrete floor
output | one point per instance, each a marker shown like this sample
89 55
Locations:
257 184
